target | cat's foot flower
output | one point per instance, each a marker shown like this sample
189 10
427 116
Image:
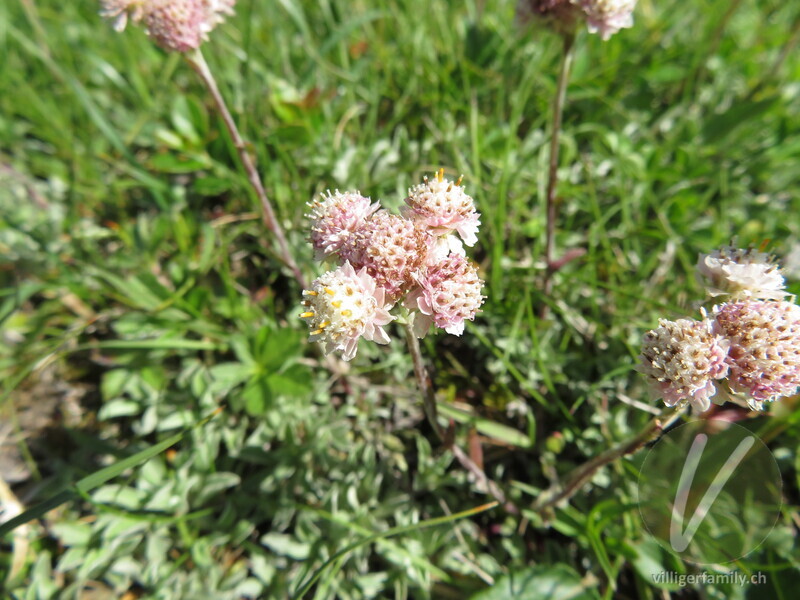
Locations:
342 306
681 359
448 294
764 354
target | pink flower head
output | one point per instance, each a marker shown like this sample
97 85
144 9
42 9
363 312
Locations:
175 25
342 306
335 219
764 356
681 359
741 274
443 207
392 249
607 17
449 292
559 15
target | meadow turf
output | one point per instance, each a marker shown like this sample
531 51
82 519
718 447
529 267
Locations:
139 292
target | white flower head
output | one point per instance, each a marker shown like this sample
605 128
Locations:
681 359
607 17
343 306
741 274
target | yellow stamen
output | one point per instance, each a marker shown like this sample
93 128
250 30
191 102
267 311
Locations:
330 292
324 324
317 332
336 303
347 313
306 315
440 175
309 293
460 179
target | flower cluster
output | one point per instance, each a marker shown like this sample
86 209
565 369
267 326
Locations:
175 25
605 17
746 351
415 260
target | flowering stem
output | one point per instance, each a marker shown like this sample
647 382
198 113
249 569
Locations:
567 56
425 388
200 66
688 87
581 474
429 404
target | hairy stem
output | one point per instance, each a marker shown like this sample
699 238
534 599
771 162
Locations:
581 474
200 66
567 56
421 374
429 404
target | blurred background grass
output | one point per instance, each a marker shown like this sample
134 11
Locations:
138 290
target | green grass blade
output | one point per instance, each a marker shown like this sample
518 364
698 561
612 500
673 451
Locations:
98 478
164 343
485 426
158 187
389 533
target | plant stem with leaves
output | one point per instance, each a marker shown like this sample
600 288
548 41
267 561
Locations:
200 66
